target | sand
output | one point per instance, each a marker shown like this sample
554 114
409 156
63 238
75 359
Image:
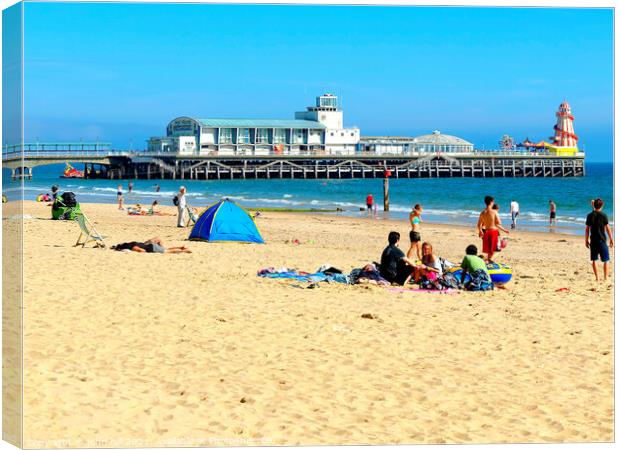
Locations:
125 349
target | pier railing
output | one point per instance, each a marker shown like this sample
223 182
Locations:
39 150
102 150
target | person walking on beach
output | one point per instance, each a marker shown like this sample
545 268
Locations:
119 196
552 213
415 218
514 213
597 230
369 202
181 205
489 226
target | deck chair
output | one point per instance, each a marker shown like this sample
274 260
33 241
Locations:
88 232
191 217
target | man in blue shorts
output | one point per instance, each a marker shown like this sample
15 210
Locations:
597 230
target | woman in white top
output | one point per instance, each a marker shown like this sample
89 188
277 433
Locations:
430 267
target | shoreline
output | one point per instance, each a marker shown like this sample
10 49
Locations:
349 215
446 200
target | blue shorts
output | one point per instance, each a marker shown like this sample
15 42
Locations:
599 249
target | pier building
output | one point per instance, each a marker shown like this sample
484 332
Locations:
435 142
319 129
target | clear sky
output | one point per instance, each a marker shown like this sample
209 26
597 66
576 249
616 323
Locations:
121 72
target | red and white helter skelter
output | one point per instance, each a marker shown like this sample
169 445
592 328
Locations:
564 131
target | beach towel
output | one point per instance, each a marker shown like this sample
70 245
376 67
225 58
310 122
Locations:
291 274
428 291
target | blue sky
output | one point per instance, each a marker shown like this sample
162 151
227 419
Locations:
120 72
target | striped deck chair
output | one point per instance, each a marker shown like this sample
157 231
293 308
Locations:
88 232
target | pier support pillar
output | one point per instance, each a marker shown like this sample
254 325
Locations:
386 193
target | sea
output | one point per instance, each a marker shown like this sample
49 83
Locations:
445 200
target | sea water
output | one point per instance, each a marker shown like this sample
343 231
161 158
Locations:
445 200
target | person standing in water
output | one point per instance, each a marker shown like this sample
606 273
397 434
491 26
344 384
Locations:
157 188
129 187
415 218
489 226
552 213
514 213
119 196
369 202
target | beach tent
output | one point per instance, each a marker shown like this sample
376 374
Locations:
228 222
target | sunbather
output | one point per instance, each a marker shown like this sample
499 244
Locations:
153 245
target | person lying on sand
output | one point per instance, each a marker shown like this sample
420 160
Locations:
153 245
136 210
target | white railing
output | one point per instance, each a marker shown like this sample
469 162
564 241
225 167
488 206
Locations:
68 154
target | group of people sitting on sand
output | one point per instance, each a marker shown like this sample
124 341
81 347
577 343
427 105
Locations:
430 270
422 265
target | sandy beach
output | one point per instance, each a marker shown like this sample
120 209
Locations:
125 349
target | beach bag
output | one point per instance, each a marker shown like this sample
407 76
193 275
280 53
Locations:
450 281
60 212
175 200
68 199
479 281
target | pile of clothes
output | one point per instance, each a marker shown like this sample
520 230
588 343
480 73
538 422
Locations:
369 274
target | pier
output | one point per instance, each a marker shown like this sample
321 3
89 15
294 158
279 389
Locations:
103 162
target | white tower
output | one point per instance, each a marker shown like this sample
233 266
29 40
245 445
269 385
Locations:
336 139
326 111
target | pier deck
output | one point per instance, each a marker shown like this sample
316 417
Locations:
126 164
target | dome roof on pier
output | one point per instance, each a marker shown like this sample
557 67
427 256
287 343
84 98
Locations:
437 138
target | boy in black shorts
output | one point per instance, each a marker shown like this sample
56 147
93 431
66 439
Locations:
597 230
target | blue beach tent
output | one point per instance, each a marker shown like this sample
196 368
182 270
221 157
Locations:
226 221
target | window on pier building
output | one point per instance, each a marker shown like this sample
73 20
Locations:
328 101
262 135
225 136
243 136
279 136
298 136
